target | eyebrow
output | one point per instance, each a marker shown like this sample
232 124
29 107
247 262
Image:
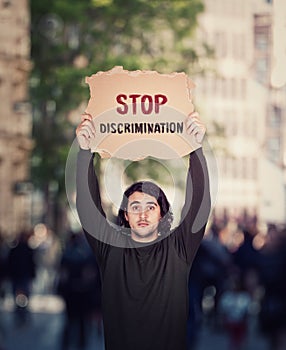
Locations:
137 202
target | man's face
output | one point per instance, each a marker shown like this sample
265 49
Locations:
143 215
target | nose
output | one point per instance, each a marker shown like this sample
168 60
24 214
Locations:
143 213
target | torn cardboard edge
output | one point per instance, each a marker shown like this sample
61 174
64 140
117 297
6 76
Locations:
132 110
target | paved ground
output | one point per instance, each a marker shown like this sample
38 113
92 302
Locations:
218 340
43 328
45 325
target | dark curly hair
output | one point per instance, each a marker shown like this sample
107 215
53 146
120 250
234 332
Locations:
151 189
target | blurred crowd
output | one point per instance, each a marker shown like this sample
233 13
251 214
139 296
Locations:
237 276
39 262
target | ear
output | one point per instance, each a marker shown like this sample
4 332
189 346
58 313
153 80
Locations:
126 215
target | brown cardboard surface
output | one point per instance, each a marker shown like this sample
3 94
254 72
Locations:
134 127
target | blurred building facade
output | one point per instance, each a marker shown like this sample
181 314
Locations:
15 116
245 94
239 98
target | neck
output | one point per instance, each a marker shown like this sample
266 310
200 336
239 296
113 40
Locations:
152 236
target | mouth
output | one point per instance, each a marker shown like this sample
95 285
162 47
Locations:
143 223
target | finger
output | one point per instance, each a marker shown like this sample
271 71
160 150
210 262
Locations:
89 124
83 133
194 114
195 129
192 123
192 119
86 116
87 131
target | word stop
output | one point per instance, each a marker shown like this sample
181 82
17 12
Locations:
148 103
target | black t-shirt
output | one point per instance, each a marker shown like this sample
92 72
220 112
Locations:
144 286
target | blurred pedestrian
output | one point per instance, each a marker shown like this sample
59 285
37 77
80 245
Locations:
216 262
3 266
234 306
79 286
246 259
22 270
272 267
3 277
47 259
197 285
209 271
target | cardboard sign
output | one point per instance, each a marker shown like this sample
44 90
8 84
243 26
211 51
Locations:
140 113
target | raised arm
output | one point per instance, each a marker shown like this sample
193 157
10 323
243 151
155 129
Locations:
197 205
88 200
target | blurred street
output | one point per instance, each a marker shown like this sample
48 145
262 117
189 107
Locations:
43 329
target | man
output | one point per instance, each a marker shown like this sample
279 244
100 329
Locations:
144 264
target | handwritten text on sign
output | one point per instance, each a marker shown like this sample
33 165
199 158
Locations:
139 114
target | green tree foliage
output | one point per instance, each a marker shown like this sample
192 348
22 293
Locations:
71 39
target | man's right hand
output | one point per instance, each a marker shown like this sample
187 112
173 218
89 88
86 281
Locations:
85 131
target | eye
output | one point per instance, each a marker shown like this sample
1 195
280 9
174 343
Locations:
151 207
135 208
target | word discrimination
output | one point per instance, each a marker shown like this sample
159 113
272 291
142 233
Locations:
142 128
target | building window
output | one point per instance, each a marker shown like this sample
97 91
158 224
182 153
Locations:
253 126
253 168
273 147
224 87
262 70
262 64
242 47
234 168
231 123
261 41
220 43
6 3
238 46
244 168
274 144
275 116
233 85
